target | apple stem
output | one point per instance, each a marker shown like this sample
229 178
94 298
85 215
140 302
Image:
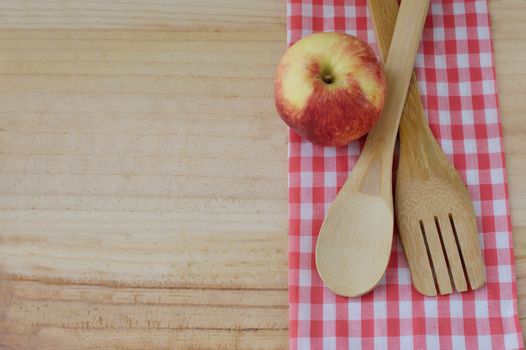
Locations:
327 79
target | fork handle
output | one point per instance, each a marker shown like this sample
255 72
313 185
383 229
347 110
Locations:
398 70
375 164
415 135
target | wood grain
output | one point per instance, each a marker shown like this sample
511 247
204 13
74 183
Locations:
143 176
101 246
508 18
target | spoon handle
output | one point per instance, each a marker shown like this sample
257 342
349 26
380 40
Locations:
378 150
414 130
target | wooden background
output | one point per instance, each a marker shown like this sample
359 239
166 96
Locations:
143 172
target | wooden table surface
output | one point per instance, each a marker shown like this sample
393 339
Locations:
143 172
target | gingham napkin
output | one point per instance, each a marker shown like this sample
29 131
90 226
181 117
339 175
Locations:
456 74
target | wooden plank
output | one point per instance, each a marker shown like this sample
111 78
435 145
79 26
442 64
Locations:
138 209
141 15
510 57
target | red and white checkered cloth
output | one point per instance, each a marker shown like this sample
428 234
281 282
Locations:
456 74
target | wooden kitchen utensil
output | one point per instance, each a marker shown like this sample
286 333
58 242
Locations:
355 239
433 206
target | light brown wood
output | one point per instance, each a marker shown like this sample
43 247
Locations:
116 39
435 215
355 239
508 19
143 176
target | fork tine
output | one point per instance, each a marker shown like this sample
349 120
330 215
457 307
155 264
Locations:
437 255
466 231
452 251
417 257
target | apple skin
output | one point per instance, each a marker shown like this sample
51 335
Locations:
330 88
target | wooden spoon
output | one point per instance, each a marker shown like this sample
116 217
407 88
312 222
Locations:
435 215
355 239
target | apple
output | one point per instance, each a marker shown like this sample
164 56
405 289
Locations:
330 88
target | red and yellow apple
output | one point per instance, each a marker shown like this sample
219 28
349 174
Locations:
330 88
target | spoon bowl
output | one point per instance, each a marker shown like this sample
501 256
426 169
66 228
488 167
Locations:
366 223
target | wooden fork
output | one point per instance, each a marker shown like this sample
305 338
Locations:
433 207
